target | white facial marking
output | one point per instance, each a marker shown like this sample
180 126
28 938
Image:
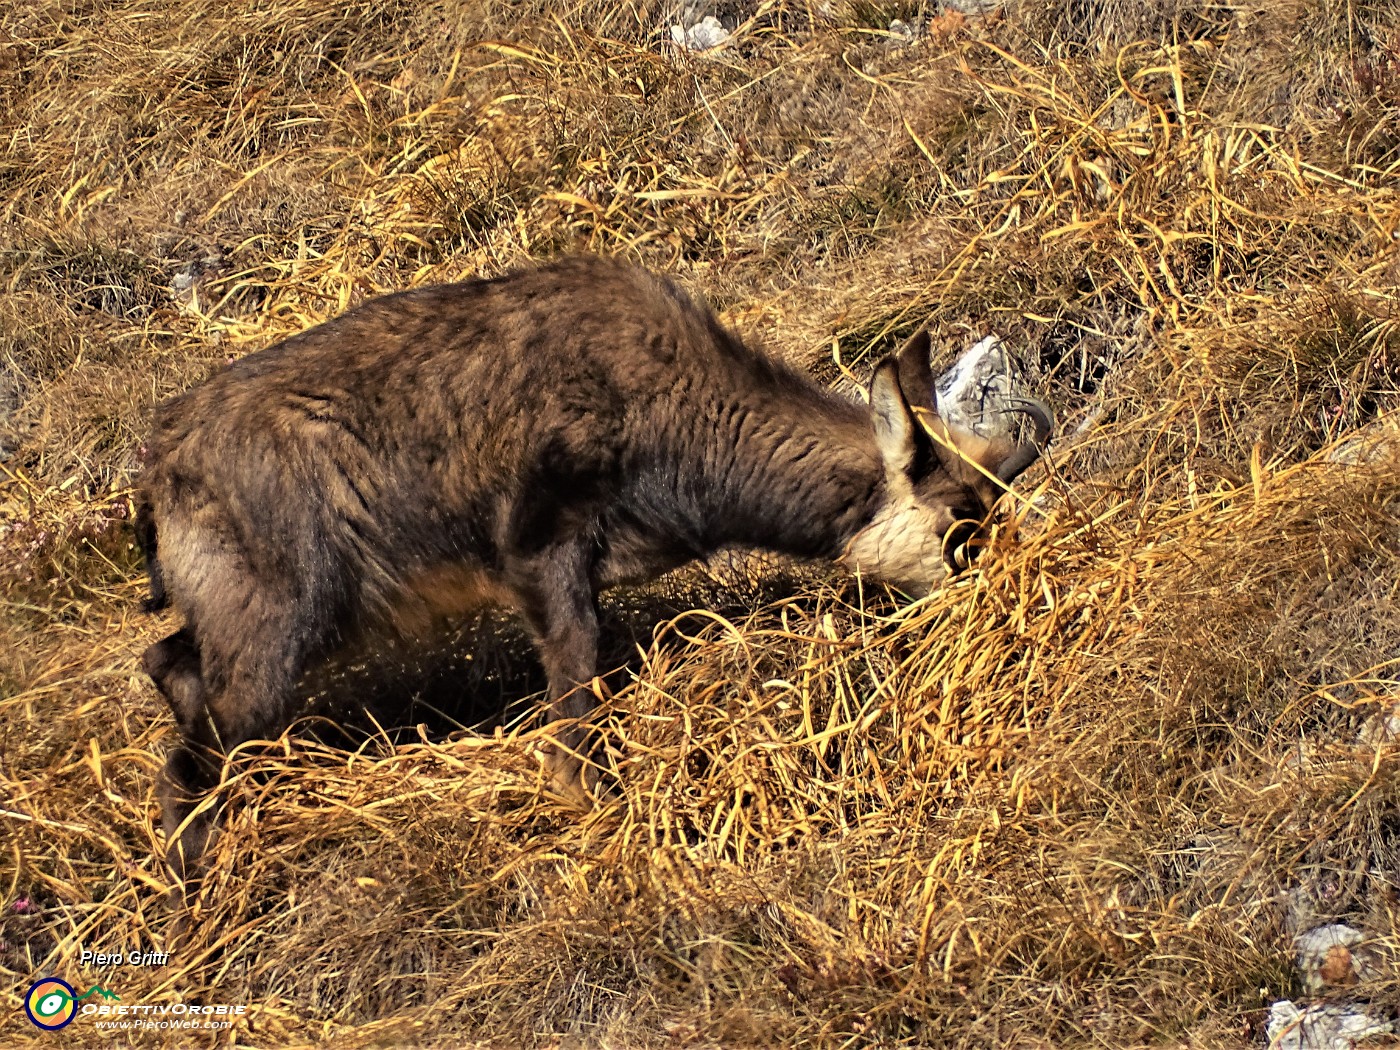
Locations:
903 545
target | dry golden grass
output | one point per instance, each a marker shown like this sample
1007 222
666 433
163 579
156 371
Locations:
1082 796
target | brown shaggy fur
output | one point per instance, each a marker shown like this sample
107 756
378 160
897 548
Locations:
530 440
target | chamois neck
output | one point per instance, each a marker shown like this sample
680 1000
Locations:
799 478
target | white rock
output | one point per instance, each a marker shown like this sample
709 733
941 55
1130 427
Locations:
1333 1027
1326 956
1376 441
706 34
902 32
979 391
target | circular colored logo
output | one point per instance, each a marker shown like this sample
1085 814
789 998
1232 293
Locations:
51 1004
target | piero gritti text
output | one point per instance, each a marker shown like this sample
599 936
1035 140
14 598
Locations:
131 958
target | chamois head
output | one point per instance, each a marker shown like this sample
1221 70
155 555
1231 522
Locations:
941 482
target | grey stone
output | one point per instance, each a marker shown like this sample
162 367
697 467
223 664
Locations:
979 392
704 35
1383 727
1373 443
1332 956
902 32
1336 1026
974 8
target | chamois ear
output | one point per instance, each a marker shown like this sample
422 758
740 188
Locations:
916 382
894 423
916 372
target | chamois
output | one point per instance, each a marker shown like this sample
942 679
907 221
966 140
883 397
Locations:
530 440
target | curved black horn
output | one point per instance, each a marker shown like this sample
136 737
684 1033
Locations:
1023 455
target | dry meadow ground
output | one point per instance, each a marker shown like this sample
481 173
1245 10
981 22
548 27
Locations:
1085 796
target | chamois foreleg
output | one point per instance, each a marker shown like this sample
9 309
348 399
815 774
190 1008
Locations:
554 591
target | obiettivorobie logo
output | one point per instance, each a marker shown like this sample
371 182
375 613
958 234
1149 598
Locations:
52 1003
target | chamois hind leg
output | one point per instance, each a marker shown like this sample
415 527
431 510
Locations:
174 666
248 668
